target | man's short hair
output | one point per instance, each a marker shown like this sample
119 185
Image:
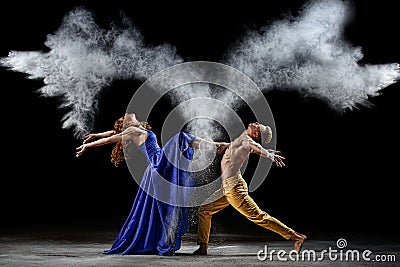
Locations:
266 134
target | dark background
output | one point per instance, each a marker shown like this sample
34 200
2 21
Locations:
341 174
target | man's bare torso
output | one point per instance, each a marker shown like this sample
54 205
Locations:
235 155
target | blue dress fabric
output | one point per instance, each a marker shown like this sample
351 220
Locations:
153 226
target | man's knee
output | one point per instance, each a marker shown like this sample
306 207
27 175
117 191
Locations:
258 215
204 212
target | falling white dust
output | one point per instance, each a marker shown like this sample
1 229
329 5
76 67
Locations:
310 54
83 59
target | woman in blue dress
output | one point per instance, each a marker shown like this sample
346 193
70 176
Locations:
153 226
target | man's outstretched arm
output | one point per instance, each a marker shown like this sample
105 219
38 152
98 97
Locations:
271 154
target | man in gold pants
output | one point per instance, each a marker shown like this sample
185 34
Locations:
235 192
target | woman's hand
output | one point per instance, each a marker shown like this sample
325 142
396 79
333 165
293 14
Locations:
221 147
89 137
80 150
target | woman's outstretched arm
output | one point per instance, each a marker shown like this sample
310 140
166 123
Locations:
92 136
134 133
100 142
221 146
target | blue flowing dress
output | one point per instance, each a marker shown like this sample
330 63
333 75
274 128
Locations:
154 226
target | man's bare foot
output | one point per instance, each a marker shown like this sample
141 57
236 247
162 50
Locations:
202 250
298 241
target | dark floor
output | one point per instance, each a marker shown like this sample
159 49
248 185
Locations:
74 246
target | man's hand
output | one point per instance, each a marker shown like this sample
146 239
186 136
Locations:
275 157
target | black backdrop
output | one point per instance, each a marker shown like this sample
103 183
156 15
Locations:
341 172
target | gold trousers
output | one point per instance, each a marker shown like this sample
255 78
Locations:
236 193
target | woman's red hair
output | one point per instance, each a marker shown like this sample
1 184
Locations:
117 154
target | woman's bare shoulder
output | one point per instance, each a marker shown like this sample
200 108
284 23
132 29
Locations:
134 131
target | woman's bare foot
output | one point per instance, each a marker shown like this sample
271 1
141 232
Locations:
298 241
202 250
